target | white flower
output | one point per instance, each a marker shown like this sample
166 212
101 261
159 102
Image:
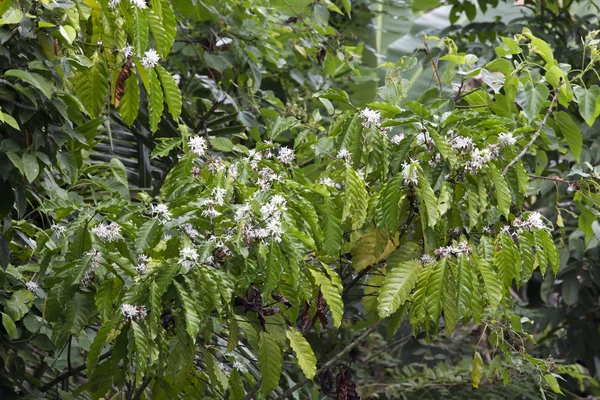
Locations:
177 79
107 232
254 157
128 49
189 230
215 165
58 230
344 154
32 286
244 212
151 57
272 213
113 3
327 182
232 171
132 312
161 211
139 4
239 366
210 212
423 138
197 145
398 138
479 158
462 142
534 220
506 139
188 256
426 259
370 117
142 264
409 173
286 156
218 195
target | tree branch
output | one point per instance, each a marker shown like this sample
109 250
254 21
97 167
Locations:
140 391
253 391
329 364
537 133
71 372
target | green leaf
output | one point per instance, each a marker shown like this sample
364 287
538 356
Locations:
35 80
369 249
476 370
332 227
217 377
19 304
418 310
91 86
192 319
553 383
503 196
158 32
331 294
472 204
169 24
399 281
104 299
464 285
589 103
333 94
98 344
390 203
433 298
526 247
507 259
140 32
546 251
350 136
155 100
172 93
148 235
139 350
130 102
534 99
270 362
165 146
493 287
355 199
77 312
449 301
427 196
221 144
304 353
444 148
347 6
156 310
570 131
11 328
31 166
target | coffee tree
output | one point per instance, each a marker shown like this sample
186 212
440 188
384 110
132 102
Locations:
282 237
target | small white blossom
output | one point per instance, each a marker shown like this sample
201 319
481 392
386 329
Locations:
462 142
397 138
370 117
151 57
161 211
506 139
197 145
188 256
210 212
232 171
218 195
58 230
107 232
534 220
327 182
479 158
423 138
189 230
239 366
32 286
254 157
114 3
409 173
128 49
286 155
215 165
177 79
426 259
132 312
244 212
344 154
139 4
142 264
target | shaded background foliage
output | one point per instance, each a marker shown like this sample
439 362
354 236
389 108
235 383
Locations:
240 66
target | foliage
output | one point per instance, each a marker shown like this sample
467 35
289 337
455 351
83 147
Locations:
278 231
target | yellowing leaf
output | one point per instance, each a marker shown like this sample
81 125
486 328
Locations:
304 354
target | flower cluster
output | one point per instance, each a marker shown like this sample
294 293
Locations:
127 50
254 158
114 3
32 286
151 57
409 173
95 261
506 139
189 230
188 256
370 117
480 158
58 230
344 154
461 248
426 259
424 138
161 211
462 143
286 155
266 177
534 222
327 182
107 232
197 145
272 213
215 165
139 3
131 312
142 264
397 138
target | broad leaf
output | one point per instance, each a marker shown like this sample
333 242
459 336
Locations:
399 281
270 362
304 354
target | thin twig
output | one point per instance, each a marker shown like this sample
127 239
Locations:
307 25
70 373
537 133
433 66
552 178
140 391
253 391
329 364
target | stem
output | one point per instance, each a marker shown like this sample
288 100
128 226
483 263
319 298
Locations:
70 373
140 391
253 391
537 133
329 364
